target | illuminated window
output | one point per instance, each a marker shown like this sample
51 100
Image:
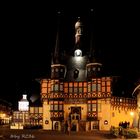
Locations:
36 109
99 69
61 70
56 107
51 107
93 68
31 110
40 110
103 89
56 87
85 89
75 89
44 84
70 84
103 83
61 87
99 81
66 90
65 84
108 89
93 87
89 107
93 107
70 90
108 83
49 89
75 84
99 87
52 87
89 87
85 84
80 89
60 107
56 69
80 84
44 90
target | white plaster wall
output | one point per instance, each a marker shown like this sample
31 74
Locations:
46 116
105 115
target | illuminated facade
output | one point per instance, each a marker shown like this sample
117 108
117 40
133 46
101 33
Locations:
5 112
27 116
23 105
78 92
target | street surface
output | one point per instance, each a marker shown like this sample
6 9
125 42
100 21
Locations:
35 134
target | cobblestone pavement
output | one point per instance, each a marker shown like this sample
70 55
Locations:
8 134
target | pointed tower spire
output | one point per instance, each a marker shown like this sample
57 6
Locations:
92 56
56 57
58 68
93 67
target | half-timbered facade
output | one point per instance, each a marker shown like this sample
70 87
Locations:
77 92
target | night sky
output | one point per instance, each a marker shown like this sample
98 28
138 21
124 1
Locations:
116 37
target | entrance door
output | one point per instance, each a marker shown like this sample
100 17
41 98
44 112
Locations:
95 125
75 116
56 126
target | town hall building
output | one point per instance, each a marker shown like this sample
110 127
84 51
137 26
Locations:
78 93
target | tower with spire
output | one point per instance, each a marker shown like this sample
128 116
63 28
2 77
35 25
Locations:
93 66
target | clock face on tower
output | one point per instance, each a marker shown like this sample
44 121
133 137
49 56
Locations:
78 53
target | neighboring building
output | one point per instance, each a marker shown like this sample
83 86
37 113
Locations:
23 104
77 91
29 119
36 113
21 117
27 116
5 112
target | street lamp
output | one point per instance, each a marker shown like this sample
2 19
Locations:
132 114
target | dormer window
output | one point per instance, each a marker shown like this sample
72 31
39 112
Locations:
88 69
61 70
76 73
56 69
